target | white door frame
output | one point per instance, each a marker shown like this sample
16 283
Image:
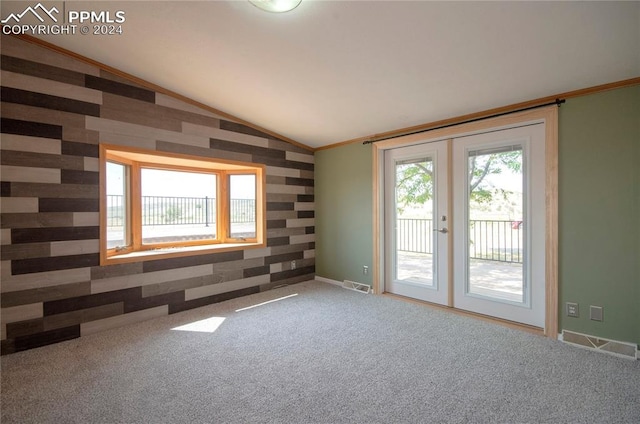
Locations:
549 116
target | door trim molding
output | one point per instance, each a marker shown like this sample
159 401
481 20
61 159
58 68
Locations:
548 115
551 236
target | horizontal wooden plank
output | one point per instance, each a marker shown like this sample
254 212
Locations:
41 70
120 320
34 235
120 89
50 87
24 97
45 294
40 339
22 143
37 265
36 220
30 128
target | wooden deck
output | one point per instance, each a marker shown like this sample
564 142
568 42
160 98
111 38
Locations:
501 280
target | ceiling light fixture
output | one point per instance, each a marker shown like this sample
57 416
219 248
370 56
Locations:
276 6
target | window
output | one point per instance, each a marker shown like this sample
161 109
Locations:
158 204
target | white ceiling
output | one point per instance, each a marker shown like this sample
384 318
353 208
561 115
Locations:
331 71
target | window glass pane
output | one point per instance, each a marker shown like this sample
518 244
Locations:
116 205
242 193
177 206
496 223
414 221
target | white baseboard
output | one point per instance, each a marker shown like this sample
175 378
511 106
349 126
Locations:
328 280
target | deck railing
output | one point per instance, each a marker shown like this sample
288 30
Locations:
415 235
161 210
493 240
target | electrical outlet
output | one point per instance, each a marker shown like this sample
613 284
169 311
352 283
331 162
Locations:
293 264
572 310
365 270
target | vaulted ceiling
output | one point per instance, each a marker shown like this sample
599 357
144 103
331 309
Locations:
331 71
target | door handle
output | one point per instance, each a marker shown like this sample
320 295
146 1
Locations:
442 230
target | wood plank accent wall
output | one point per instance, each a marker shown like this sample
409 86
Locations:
55 112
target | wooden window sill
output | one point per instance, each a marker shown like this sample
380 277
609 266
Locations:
174 252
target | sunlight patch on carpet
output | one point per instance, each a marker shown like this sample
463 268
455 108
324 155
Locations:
264 303
208 325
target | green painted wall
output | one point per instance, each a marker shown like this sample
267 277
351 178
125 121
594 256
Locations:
599 212
343 194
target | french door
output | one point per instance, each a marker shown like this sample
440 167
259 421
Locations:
416 205
485 195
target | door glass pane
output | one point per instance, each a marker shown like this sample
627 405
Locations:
496 223
177 206
242 191
414 244
117 208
